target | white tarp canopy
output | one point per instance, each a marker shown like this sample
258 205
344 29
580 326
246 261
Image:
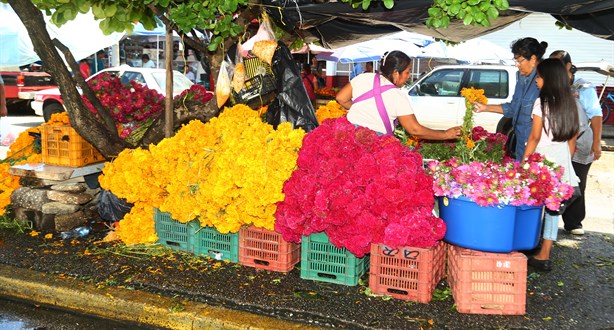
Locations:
373 50
415 45
82 36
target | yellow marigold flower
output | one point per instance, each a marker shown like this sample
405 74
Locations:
226 173
59 119
331 110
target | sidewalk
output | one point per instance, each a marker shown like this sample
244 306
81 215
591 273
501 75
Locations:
181 292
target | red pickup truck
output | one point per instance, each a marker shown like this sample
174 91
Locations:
19 86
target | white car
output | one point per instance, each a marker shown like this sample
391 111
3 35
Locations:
438 104
49 101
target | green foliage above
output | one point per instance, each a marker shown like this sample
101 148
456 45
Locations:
471 12
215 16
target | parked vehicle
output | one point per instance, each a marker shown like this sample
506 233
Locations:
437 102
20 85
49 101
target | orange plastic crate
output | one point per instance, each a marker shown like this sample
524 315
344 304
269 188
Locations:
488 283
265 249
407 273
62 145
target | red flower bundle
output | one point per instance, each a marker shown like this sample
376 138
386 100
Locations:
359 188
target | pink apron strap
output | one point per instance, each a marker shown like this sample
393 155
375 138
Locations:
376 93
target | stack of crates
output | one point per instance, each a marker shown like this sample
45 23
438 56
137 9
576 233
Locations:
265 249
63 146
322 261
191 237
487 283
407 273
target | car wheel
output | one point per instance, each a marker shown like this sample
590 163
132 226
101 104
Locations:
50 109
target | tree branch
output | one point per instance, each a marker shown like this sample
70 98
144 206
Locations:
108 121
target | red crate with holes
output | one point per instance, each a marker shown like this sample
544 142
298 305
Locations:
487 283
265 249
407 273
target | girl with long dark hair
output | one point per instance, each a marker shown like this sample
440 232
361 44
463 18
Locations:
553 134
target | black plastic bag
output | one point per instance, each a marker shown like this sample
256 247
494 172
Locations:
111 207
292 103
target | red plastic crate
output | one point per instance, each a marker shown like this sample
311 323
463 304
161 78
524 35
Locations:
488 283
265 249
407 273
62 145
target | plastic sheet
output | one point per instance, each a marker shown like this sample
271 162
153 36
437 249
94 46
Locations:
111 207
292 103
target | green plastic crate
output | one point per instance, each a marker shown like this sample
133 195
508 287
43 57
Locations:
172 233
322 261
209 241
191 237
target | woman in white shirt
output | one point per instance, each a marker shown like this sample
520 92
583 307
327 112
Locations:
375 101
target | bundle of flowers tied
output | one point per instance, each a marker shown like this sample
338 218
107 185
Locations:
360 189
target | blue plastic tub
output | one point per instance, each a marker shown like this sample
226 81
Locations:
499 229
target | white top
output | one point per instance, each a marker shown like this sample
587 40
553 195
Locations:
545 139
149 64
365 113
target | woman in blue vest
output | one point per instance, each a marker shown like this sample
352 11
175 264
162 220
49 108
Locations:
528 52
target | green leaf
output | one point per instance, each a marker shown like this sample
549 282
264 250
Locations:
504 5
84 6
98 11
434 12
366 4
455 9
110 10
445 21
468 20
492 13
473 2
461 14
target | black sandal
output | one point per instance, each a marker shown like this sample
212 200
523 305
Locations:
545 265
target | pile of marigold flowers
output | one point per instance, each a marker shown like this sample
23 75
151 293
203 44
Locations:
331 110
226 173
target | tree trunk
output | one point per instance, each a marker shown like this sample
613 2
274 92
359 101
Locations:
107 140
108 143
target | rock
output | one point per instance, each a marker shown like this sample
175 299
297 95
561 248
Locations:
68 198
64 222
59 208
39 221
29 198
70 187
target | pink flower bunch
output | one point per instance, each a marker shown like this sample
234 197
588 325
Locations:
127 103
359 188
534 182
196 93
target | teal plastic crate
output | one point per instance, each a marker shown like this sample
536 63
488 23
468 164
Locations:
172 233
209 241
191 237
322 261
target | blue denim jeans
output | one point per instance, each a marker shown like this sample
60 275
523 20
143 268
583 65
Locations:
551 226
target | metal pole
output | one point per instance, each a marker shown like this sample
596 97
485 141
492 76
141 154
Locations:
168 100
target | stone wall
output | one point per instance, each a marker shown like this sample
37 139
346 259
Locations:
56 205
